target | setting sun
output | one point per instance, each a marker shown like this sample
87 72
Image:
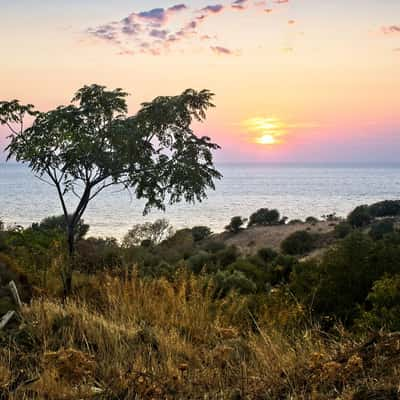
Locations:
266 139
265 130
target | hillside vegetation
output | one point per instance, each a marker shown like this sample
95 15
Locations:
187 315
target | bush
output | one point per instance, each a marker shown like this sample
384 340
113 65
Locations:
359 217
264 217
267 254
311 220
384 302
226 256
298 243
380 229
339 284
342 230
386 208
295 222
236 224
250 270
57 223
200 261
95 254
213 246
153 232
225 281
200 233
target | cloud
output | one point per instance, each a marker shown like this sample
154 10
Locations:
221 50
213 9
160 30
392 29
239 4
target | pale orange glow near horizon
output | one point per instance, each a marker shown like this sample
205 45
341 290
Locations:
331 97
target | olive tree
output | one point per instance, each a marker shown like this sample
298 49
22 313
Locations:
92 143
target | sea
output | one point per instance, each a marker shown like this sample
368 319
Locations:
296 190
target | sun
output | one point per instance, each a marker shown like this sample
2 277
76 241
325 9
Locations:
267 131
266 139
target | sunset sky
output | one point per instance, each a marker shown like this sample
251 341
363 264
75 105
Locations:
295 80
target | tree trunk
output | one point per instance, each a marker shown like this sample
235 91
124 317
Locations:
67 281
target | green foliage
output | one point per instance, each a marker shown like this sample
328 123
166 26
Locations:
58 225
236 224
267 254
225 281
264 217
213 246
359 217
96 254
298 243
311 220
342 230
226 256
381 228
200 233
295 221
339 284
152 232
384 304
386 208
92 144
250 270
200 261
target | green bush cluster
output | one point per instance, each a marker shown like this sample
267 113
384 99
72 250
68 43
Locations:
356 281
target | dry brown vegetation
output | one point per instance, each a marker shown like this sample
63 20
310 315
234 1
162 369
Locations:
249 240
127 338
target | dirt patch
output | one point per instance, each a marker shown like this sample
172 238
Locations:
250 240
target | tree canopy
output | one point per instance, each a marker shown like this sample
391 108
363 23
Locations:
93 143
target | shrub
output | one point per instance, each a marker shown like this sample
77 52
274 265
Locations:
200 261
226 281
154 232
226 256
213 246
339 284
236 224
267 254
264 217
384 302
94 254
295 221
311 220
57 223
298 243
200 233
386 208
250 270
359 217
380 229
342 230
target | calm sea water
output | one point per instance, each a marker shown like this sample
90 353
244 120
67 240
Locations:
296 190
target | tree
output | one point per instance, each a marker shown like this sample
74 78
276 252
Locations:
91 144
200 233
359 217
300 242
236 224
151 232
264 217
57 223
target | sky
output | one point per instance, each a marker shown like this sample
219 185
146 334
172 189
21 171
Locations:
294 80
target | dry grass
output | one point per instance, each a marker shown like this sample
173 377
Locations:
136 339
252 239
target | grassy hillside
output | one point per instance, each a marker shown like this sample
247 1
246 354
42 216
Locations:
122 338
